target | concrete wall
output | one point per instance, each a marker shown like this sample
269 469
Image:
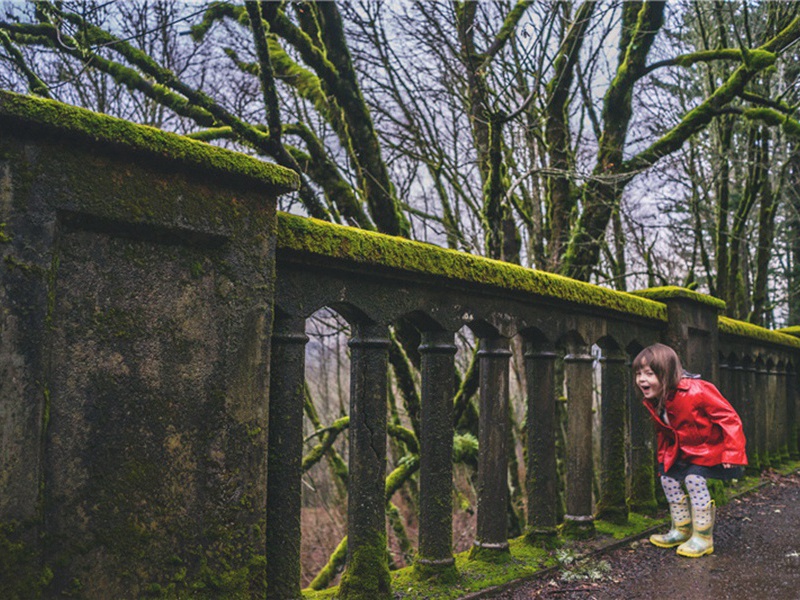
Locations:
136 287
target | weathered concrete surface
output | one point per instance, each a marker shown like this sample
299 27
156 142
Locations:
756 555
135 317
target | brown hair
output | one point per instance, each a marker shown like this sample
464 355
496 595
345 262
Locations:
665 364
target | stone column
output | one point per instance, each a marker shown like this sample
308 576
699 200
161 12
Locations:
642 496
492 526
793 421
542 478
612 505
783 413
578 521
760 399
692 328
367 574
436 451
750 418
284 458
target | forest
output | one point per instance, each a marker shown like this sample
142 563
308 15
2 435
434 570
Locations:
626 144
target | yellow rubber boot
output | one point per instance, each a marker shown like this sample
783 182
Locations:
681 529
702 540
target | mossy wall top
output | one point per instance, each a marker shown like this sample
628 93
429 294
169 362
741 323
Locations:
321 238
38 115
748 330
368 248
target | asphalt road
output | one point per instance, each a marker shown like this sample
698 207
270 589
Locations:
756 557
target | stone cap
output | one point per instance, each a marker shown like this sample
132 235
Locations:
671 292
312 236
780 337
29 114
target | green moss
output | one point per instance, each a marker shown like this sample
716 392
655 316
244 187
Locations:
643 494
4 237
793 330
635 524
367 574
612 514
740 328
670 292
79 123
436 573
543 538
14 264
498 556
300 234
577 530
22 576
718 493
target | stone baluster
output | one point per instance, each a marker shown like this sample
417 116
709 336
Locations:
542 478
578 521
642 494
436 449
285 457
612 505
749 417
792 410
782 412
760 397
492 526
367 573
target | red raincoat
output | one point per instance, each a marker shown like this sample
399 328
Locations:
703 429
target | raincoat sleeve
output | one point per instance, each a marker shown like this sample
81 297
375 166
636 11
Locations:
721 413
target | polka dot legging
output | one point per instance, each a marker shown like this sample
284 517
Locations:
696 488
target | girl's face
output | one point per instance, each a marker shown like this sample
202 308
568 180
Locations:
648 383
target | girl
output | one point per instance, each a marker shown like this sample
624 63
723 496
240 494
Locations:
699 435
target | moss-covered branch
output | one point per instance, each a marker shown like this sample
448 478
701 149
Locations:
506 30
35 84
270 97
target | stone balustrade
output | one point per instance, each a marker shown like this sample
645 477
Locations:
152 372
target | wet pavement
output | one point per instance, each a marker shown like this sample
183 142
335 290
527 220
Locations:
756 556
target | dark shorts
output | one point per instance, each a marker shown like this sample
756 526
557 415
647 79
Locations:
680 470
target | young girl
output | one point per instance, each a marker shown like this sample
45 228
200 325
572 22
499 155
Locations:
699 436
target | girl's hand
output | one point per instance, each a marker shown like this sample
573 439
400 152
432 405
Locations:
727 465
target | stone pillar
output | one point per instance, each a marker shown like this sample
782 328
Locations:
285 458
612 505
793 420
492 527
725 384
367 574
750 418
760 399
136 299
782 413
692 328
542 477
642 496
436 451
578 521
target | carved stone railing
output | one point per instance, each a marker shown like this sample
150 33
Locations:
151 407
374 281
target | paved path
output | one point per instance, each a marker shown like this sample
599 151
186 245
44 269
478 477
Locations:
757 556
